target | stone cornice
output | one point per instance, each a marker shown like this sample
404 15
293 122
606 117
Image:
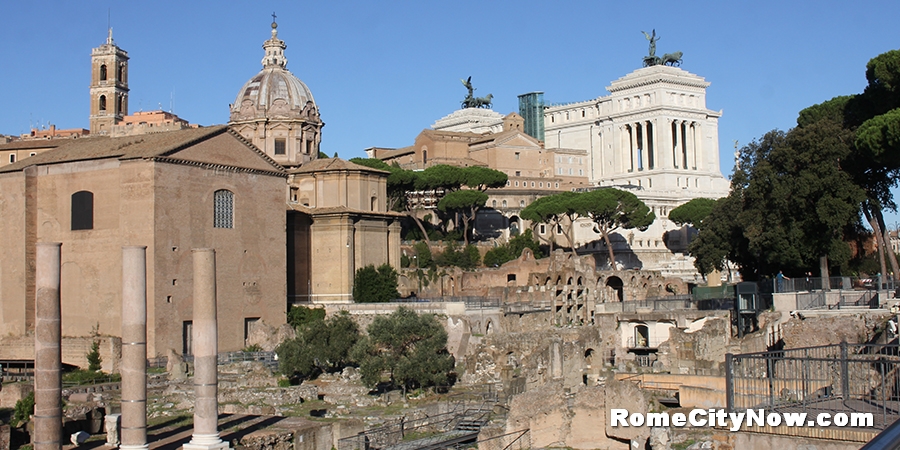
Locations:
210 166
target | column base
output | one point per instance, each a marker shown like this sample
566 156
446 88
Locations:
206 442
134 447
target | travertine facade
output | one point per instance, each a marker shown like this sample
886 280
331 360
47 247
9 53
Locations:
654 135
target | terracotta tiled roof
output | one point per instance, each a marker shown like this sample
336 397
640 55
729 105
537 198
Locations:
332 164
129 147
25 144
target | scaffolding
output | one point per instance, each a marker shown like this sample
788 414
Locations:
531 108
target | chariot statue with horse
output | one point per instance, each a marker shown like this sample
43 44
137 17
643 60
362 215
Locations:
475 102
668 59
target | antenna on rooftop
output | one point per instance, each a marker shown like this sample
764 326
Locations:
171 101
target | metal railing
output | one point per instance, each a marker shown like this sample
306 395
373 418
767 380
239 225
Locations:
839 300
847 378
781 285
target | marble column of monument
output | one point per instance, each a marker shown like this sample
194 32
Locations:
205 342
47 352
134 348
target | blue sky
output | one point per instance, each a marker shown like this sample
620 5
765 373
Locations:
383 71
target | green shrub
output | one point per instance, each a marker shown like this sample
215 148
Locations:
24 409
298 316
371 285
252 348
93 357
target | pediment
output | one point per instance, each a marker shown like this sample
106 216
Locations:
229 150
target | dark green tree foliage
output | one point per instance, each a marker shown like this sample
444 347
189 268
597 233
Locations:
423 255
483 178
790 203
441 176
465 258
693 212
299 316
613 209
721 238
512 250
554 210
410 349
371 285
93 357
320 346
465 205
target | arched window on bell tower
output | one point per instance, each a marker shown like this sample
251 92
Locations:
119 104
102 103
103 72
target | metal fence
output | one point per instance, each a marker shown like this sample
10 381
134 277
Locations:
847 378
838 300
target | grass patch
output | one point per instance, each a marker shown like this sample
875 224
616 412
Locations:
683 445
82 377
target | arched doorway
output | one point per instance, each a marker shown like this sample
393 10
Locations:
514 226
616 284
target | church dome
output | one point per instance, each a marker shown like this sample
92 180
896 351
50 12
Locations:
274 92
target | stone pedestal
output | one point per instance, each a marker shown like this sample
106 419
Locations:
134 348
205 341
47 349
112 423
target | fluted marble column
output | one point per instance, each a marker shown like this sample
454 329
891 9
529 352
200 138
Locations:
134 348
205 341
47 349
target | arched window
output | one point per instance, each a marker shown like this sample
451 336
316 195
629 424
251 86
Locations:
504 203
120 73
493 203
223 209
103 72
119 104
102 103
83 210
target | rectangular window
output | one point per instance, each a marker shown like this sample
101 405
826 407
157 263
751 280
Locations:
542 229
280 147
223 209
12 158
517 155
83 210
187 328
294 194
518 173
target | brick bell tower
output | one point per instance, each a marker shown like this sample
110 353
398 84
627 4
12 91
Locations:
109 86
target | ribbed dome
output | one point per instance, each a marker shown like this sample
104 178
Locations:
274 91
271 85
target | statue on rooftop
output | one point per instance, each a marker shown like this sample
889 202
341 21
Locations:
474 102
669 59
